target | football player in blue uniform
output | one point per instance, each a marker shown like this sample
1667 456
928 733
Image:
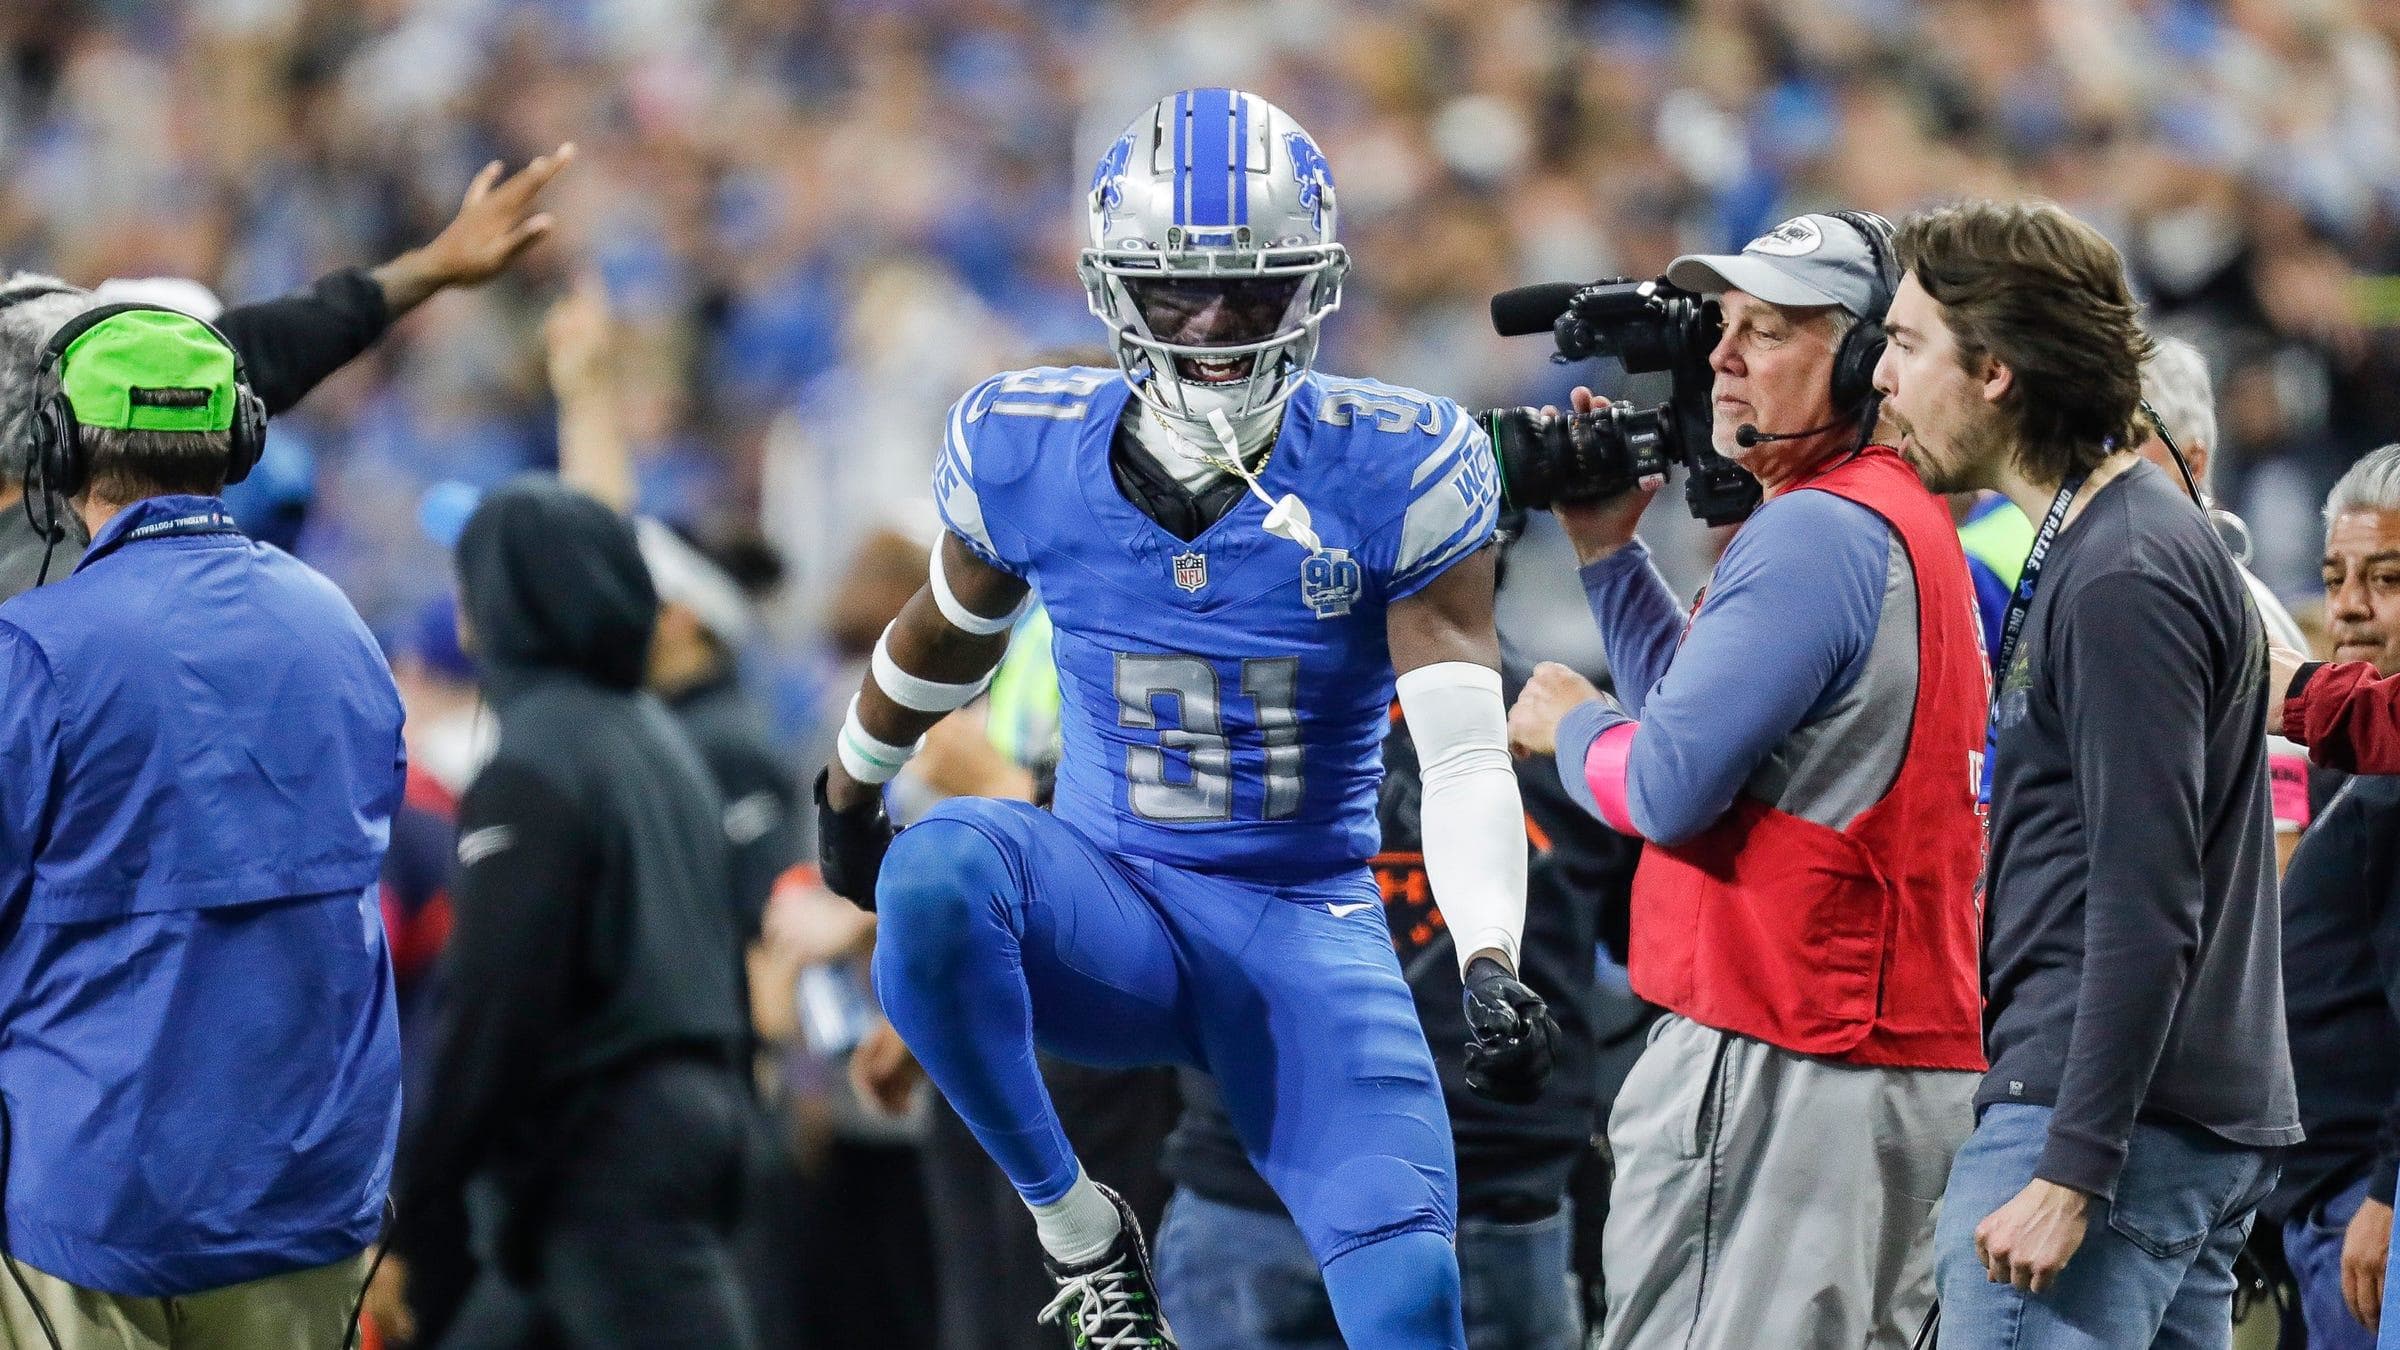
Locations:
1239 555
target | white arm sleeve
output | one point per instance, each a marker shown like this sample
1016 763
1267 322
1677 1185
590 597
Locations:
1474 820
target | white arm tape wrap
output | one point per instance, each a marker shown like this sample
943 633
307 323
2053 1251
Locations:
1474 819
865 758
912 692
962 618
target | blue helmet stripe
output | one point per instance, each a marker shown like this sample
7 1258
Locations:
1211 162
1241 159
1183 158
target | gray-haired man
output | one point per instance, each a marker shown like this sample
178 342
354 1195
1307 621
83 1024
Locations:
2341 960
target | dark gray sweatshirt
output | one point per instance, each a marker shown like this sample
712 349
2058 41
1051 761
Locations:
2132 955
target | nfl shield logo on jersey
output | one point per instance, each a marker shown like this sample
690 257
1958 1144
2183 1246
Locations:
1191 570
1329 582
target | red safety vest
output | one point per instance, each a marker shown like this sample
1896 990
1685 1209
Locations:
1859 945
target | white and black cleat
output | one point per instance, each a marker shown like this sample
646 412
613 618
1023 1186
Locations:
1111 1301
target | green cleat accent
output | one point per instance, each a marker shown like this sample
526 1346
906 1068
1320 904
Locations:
1111 1301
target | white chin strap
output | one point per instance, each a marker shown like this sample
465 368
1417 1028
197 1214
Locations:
1188 447
1254 402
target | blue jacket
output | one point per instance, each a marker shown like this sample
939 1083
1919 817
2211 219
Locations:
199 761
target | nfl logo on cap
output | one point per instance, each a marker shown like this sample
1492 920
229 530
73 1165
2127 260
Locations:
1191 570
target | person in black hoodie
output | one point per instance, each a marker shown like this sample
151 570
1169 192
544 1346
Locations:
588 1084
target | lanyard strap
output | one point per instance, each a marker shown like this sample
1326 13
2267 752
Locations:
2013 627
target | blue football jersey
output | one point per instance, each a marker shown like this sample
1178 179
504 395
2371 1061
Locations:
1223 700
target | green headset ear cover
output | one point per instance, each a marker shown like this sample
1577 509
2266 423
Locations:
150 370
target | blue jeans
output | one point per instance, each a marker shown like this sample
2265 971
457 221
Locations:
2156 1264
2312 1243
2390 1339
2391 1319
1240 1279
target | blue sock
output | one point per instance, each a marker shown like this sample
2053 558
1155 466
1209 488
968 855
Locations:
1399 1293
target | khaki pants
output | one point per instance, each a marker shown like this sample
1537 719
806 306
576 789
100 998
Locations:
1767 1199
304 1310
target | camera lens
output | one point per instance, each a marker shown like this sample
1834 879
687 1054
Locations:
1547 458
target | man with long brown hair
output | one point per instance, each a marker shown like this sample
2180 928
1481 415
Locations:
2140 1077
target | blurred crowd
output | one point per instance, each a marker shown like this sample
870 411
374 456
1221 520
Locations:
822 219
819 221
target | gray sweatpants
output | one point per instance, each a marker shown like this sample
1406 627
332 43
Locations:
1764 1198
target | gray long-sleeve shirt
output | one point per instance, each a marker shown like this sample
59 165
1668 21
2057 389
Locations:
2132 949
1796 683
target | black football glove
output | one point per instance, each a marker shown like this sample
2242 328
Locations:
1514 1036
851 844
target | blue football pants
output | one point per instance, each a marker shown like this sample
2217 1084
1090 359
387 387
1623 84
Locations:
1003 927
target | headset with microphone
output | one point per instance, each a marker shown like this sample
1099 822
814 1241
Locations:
58 449
58 465
1747 435
1861 348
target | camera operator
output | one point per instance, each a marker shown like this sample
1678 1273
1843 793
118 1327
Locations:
1802 763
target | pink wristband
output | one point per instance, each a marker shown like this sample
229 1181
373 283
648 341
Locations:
1604 771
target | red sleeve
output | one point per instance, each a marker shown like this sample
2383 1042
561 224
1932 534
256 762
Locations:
2347 717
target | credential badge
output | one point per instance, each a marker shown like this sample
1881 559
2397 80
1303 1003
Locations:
1191 570
1329 582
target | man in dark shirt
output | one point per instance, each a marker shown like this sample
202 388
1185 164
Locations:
2141 1080
288 345
2341 960
695 668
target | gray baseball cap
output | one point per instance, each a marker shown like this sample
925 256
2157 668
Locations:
1807 260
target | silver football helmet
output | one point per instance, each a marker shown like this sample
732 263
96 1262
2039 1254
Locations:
1212 256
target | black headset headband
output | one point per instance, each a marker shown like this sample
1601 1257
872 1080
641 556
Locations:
55 349
1878 234
1861 347
58 461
